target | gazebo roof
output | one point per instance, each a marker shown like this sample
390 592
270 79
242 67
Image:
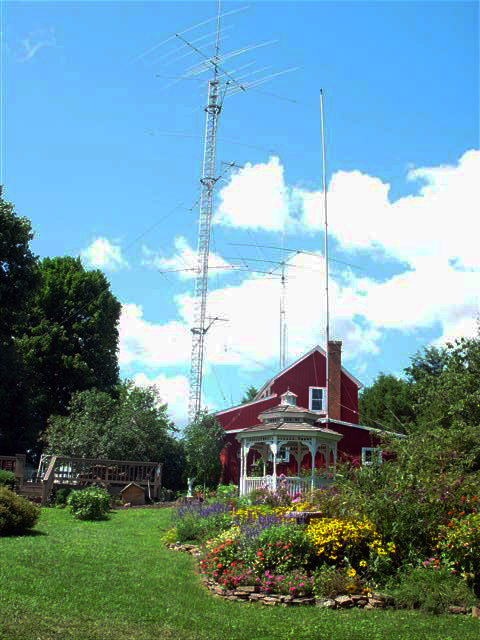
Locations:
296 429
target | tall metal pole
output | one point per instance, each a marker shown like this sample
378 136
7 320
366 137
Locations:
324 180
283 323
208 181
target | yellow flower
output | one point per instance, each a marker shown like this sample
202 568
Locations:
362 563
351 572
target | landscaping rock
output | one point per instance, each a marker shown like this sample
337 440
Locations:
377 603
249 589
241 594
271 601
476 612
457 610
326 603
303 601
256 597
344 602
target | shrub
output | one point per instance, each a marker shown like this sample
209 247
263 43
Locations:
7 479
16 514
201 521
432 589
282 549
459 544
329 582
61 496
92 503
227 491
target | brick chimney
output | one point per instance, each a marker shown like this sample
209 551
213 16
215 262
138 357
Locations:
334 378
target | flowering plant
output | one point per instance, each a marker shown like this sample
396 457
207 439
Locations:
290 584
459 542
338 542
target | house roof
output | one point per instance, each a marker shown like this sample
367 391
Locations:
294 364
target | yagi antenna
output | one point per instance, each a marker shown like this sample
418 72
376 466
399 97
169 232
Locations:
223 82
195 26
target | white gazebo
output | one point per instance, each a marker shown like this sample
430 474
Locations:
288 430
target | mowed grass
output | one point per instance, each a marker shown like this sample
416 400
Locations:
114 580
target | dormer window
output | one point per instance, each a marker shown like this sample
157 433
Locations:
289 398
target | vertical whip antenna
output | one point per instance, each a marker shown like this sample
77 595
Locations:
324 180
283 314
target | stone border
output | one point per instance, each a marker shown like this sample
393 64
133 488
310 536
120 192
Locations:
368 601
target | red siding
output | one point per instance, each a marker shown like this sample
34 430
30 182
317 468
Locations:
310 372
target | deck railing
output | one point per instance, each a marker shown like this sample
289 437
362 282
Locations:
7 463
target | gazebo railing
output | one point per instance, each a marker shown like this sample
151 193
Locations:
293 484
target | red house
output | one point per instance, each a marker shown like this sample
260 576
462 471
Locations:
303 386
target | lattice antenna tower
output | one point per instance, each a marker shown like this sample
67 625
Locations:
208 180
222 84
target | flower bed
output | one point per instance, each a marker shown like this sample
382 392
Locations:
290 554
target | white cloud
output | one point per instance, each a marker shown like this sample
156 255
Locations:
103 254
151 344
255 198
434 233
173 390
437 222
35 41
184 261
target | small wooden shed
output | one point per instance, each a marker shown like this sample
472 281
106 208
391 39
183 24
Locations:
133 494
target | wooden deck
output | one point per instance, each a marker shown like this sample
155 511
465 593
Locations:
81 472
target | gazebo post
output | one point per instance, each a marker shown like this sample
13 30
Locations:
273 447
242 469
313 451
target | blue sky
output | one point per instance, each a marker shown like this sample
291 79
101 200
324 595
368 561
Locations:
102 149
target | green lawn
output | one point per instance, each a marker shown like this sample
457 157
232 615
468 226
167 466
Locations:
114 580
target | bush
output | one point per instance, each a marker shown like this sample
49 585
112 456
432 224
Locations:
16 514
227 491
61 496
459 544
282 549
7 479
432 589
329 582
201 521
92 503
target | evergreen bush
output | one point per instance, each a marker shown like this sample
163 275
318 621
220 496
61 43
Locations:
7 479
16 514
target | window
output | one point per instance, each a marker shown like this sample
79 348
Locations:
371 455
316 400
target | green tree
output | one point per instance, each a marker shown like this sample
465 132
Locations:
448 397
133 425
70 338
18 280
387 404
203 441
250 394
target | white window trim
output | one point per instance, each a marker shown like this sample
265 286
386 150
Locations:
324 391
373 450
